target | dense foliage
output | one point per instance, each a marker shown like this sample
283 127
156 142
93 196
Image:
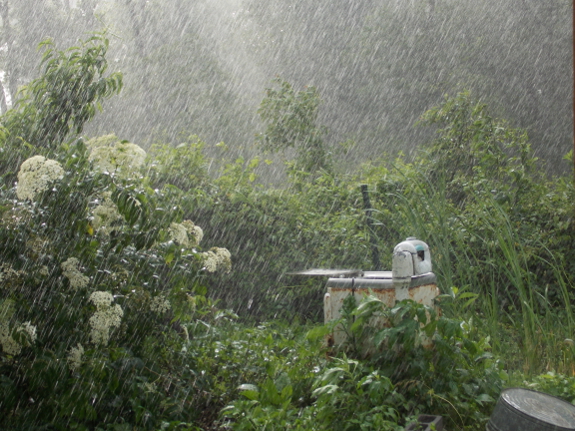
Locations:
140 291
290 120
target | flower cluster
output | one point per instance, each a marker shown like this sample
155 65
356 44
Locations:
25 333
178 234
160 304
105 317
28 329
75 357
72 272
186 233
9 275
9 345
217 258
195 233
105 214
112 155
35 176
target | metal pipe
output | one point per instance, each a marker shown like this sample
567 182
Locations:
372 237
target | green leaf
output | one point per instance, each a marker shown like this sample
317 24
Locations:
251 395
318 332
485 398
325 390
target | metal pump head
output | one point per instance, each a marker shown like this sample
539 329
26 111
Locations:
410 257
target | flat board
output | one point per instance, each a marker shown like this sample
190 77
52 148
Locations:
319 272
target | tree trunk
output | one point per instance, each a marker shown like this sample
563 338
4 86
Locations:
9 83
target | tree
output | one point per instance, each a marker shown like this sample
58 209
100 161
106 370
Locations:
67 94
25 24
290 118
475 151
381 65
57 105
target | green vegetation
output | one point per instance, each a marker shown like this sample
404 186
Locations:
290 120
380 64
139 291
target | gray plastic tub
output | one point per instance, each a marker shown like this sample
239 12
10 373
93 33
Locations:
521 409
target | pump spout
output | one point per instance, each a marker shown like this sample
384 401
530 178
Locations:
410 257
401 269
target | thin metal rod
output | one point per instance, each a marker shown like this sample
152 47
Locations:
372 237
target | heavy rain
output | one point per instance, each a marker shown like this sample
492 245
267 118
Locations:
286 215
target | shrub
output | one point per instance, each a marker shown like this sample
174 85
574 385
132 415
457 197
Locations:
100 316
387 377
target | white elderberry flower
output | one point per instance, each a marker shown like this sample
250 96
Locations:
99 330
160 304
109 154
35 176
115 314
198 234
101 299
30 331
8 274
71 271
222 252
74 357
210 261
105 318
178 234
195 233
9 345
224 258
216 259
106 213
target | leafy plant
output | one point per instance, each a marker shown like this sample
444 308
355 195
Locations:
56 106
290 120
435 362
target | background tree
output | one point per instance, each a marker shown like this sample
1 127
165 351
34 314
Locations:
26 24
57 105
393 60
291 122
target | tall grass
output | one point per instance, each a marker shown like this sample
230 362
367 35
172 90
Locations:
495 266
